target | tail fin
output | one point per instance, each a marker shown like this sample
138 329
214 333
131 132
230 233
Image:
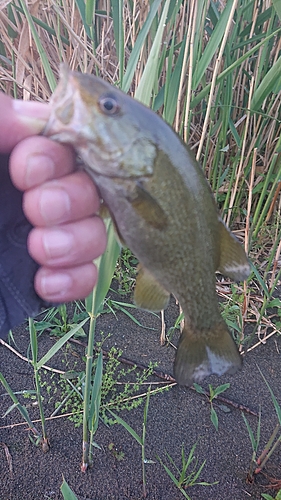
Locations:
201 353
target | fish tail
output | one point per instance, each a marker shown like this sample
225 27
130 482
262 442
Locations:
203 352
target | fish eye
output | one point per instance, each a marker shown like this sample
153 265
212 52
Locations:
109 105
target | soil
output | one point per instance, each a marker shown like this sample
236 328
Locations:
177 418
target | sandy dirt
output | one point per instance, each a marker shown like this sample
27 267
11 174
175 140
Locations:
177 417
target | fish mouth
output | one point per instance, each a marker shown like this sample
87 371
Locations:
71 123
112 176
91 156
65 129
74 121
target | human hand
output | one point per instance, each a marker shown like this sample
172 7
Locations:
60 203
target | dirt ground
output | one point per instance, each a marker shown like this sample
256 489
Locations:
177 417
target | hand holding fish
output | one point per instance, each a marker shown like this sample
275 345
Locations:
58 201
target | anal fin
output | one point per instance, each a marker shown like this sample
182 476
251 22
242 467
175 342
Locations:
148 293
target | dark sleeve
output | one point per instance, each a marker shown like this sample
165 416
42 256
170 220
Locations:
18 299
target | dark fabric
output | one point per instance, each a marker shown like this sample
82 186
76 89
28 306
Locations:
18 299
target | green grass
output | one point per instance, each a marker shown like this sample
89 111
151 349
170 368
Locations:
189 474
140 439
269 497
258 462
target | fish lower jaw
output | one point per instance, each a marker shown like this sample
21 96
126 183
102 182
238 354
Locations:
63 138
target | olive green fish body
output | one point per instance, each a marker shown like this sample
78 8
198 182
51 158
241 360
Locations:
179 249
163 210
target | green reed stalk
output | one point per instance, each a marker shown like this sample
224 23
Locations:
34 350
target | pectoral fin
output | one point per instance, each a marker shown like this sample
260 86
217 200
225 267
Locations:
233 260
103 211
149 294
148 208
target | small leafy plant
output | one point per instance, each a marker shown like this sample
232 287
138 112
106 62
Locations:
116 393
57 322
213 393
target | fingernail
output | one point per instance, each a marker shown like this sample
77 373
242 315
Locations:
39 168
33 114
57 243
54 205
55 286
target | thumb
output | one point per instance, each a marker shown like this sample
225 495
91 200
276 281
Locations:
20 119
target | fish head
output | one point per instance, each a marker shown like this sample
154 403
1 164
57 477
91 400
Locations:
103 124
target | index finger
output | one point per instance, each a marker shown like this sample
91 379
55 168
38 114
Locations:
20 119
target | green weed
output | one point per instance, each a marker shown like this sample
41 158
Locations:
258 462
139 439
213 393
57 322
118 455
117 392
184 478
269 497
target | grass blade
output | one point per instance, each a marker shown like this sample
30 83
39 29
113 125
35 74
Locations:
58 345
43 56
67 492
127 427
277 7
135 54
211 47
106 266
274 400
96 396
118 26
143 92
270 83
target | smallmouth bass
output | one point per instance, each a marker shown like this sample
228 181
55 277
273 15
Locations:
163 210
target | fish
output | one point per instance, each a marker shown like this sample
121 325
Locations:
162 208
